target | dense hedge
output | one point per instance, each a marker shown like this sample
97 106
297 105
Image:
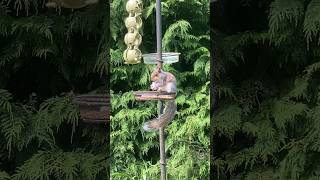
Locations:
266 124
135 152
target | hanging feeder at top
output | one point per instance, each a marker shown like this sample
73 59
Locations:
132 55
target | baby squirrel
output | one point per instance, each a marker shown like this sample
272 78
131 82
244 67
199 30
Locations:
162 82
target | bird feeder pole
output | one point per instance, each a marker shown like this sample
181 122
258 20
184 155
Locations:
160 104
158 58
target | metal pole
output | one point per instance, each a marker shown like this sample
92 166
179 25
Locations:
160 106
159 31
162 146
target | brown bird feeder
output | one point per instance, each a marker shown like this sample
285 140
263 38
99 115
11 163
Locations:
94 108
153 95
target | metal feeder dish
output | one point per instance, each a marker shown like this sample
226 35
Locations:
167 58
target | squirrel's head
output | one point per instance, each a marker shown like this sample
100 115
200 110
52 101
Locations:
155 74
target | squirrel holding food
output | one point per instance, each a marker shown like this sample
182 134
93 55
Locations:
163 82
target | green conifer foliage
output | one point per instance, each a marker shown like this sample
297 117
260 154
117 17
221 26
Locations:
135 153
267 118
46 56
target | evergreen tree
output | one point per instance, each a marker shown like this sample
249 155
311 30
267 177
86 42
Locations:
266 124
47 55
135 153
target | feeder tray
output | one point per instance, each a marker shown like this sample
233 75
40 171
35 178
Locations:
167 58
93 108
153 95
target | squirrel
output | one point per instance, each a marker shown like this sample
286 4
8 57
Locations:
162 82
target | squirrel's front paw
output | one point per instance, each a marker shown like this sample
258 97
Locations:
154 86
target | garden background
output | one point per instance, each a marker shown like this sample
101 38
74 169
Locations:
267 118
49 55
135 153
46 57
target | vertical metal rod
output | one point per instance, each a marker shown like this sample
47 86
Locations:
160 106
162 146
159 30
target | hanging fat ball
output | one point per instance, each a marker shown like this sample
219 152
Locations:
133 39
72 4
134 22
134 6
132 56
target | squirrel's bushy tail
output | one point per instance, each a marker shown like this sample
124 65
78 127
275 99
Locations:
164 119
